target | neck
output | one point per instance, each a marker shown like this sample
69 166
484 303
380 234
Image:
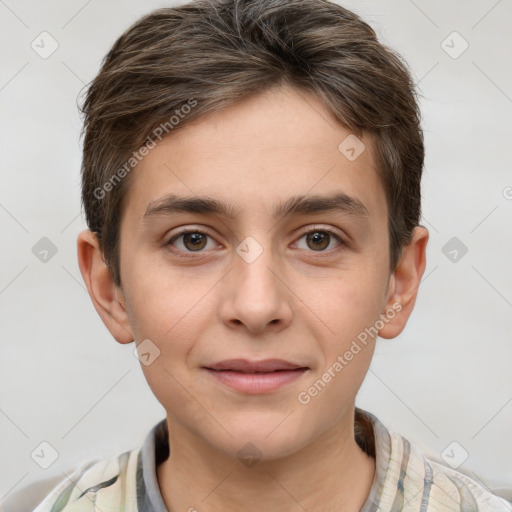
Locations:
331 473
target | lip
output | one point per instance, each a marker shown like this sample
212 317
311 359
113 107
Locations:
246 366
255 377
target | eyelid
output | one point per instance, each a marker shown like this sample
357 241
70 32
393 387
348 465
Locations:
326 229
190 229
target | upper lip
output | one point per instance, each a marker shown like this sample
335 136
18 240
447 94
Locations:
244 365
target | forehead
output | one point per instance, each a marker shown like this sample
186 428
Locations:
256 154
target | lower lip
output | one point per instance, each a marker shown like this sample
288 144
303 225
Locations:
256 383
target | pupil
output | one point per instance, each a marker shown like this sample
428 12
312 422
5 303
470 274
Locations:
318 236
195 239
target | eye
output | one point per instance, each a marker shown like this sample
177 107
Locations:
190 240
320 239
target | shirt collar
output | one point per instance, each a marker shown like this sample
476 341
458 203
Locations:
371 435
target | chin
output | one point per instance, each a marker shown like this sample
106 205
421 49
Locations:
264 440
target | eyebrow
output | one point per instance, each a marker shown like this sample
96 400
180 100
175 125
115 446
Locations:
295 205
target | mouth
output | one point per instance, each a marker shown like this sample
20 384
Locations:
256 377
264 366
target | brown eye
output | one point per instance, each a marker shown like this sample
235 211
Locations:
190 241
194 241
318 240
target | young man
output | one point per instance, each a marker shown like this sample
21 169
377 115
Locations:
251 181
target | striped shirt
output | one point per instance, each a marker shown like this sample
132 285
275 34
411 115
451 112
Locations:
405 480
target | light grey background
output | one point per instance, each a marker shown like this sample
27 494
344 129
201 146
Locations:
447 378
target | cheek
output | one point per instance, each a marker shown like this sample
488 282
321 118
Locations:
173 318
164 304
350 309
348 304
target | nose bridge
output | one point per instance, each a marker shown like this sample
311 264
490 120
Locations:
252 268
257 296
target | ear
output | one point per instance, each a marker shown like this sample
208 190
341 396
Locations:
107 298
404 283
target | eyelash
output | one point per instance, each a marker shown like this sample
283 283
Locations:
195 254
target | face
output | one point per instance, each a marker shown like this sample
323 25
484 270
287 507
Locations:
288 259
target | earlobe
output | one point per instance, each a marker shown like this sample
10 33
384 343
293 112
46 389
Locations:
404 284
107 298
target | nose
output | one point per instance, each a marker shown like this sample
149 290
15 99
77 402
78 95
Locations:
256 296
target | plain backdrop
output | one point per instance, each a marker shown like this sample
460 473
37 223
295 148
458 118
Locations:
445 383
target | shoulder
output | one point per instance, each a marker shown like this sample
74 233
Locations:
431 485
108 484
406 480
451 486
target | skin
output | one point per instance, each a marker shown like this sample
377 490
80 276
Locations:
300 300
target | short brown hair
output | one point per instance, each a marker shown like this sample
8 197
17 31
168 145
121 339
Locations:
212 53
